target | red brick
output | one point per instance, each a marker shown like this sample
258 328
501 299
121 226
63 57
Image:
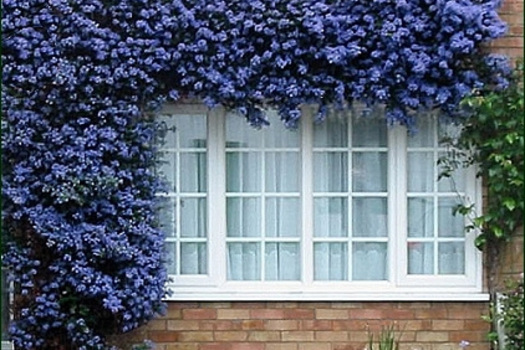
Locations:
351 325
426 336
448 325
214 346
471 336
398 314
199 314
233 314
330 336
477 325
163 336
316 325
464 314
332 314
299 314
315 346
281 346
252 324
366 314
247 346
434 314
297 335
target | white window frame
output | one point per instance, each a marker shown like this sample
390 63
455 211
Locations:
399 287
6 344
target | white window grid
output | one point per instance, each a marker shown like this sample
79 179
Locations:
399 286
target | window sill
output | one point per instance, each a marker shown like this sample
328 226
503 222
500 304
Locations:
299 296
7 345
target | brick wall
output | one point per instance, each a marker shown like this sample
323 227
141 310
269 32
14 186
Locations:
512 44
315 326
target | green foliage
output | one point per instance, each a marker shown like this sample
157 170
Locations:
387 339
511 315
492 140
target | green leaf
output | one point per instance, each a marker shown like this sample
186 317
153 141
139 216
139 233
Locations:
509 203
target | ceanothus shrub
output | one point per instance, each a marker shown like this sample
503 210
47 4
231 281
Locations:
81 79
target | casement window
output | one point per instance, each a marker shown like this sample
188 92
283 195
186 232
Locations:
346 209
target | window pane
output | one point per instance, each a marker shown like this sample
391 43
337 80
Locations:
168 216
193 172
277 136
420 258
282 172
451 258
243 172
243 217
191 130
244 261
332 132
330 217
420 217
193 259
283 261
421 172
455 183
369 132
193 217
331 261
166 169
283 217
450 225
369 217
424 135
240 134
331 172
369 172
369 261
171 257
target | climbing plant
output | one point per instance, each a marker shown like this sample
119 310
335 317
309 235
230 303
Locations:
81 78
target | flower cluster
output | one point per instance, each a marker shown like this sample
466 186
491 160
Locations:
80 78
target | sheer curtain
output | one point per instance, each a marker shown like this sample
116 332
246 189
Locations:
263 203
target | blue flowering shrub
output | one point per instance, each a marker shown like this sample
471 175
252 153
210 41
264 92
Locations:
81 79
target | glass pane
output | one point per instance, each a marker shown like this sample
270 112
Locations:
448 130
191 130
369 261
421 172
451 258
240 134
166 170
283 217
243 217
193 172
193 217
167 215
455 183
282 172
244 261
450 225
424 136
420 258
277 136
330 172
331 217
193 259
331 261
369 132
332 132
282 262
369 172
166 136
171 257
420 217
243 172
369 217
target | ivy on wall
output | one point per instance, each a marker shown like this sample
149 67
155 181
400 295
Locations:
81 76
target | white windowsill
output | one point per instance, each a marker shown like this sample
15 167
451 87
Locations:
7 345
298 296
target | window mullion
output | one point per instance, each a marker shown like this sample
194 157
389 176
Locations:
397 204
307 195
217 195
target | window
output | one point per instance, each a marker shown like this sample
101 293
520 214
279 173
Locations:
346 209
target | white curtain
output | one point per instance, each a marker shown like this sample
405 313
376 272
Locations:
369 261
